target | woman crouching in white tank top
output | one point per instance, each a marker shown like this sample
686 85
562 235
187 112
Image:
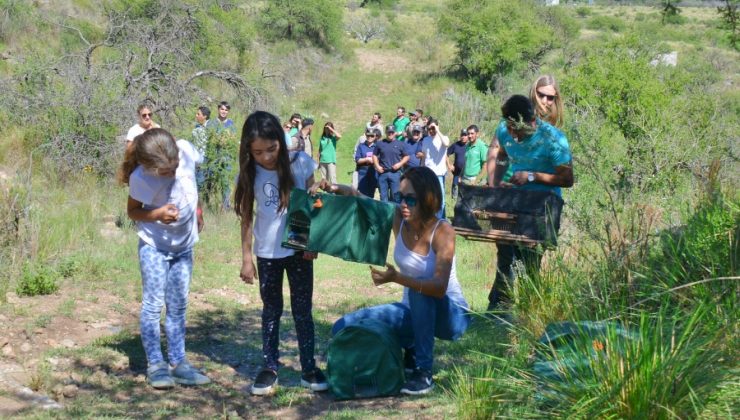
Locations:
433 304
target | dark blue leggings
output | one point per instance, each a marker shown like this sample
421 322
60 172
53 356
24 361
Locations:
300 280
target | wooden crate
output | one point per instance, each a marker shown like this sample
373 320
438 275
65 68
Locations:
508 215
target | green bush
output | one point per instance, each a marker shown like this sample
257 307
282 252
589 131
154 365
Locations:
317 22
610 23
583 11
37 279
498 37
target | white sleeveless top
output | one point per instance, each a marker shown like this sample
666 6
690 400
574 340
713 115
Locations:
422 267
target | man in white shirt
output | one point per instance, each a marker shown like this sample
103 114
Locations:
433 155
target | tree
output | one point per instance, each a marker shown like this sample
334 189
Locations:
730 18
498 37
669 12
317 22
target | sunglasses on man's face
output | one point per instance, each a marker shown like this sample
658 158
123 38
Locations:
548 97
410 200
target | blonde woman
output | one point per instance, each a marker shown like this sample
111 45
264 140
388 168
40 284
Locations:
548 107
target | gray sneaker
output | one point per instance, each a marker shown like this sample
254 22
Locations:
158 376
185 374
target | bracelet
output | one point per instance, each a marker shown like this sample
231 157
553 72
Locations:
199 211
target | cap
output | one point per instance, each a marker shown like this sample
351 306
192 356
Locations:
390 128
369 131
413 113
416 128
463 132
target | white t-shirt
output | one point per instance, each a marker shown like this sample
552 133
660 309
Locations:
136 130
268 223
435 153
155 191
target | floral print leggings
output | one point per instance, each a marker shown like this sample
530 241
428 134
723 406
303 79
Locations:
165 278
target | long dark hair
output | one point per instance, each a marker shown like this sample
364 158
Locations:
427 189
265 126
154 148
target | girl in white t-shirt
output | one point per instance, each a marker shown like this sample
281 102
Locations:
267 173
163 200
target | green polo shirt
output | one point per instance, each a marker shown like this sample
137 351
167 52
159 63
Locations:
475 158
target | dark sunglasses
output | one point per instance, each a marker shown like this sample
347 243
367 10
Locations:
410 200
548 97
146 115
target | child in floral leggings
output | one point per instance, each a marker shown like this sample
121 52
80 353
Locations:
163 200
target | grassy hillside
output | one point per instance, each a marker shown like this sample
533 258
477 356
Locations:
649 241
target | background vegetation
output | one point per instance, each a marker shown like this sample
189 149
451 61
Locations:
650 232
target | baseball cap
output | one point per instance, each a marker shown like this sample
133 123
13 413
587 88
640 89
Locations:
413 113
463 132
306 122
369 131
416 128
390 128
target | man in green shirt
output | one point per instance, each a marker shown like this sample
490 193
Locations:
400 122
475 158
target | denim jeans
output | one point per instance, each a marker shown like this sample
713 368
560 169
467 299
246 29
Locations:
441 212
416 325
165 280
389 183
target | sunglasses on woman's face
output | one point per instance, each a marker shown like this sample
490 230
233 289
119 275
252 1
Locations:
410 200
145 115
548 97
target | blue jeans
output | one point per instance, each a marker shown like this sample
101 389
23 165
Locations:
389 182
416 325
506 258
441 212
165 279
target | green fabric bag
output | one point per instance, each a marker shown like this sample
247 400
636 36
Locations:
364 361
567 350
352 228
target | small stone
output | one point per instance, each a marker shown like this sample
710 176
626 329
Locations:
38 331
8 350
70 391
25 347
68 343
52 343
53 361
11 297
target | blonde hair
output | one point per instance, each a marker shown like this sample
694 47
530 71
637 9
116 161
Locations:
152 149
557 111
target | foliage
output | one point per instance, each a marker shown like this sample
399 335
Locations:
37 279
146 50
611 23
220 167
670 12
317 22
497 37
731 21
378 3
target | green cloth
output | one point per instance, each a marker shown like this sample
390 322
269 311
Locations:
475 158
352 228
400 124
328 149
293 131
364 360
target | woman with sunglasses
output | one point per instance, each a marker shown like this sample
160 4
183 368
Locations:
145 123
548 107
545 95
433 304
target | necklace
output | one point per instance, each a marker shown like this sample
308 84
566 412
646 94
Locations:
414 234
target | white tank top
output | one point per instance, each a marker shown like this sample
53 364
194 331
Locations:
421 267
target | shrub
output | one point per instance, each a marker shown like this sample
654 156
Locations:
37 280
610 23
318 22
498 37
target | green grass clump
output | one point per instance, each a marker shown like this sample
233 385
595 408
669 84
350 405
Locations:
37 280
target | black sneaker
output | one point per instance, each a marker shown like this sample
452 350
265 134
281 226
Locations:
409 360
265 383
314 380
419 383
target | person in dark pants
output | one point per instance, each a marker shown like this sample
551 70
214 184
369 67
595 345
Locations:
367 179
541 160
390 156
